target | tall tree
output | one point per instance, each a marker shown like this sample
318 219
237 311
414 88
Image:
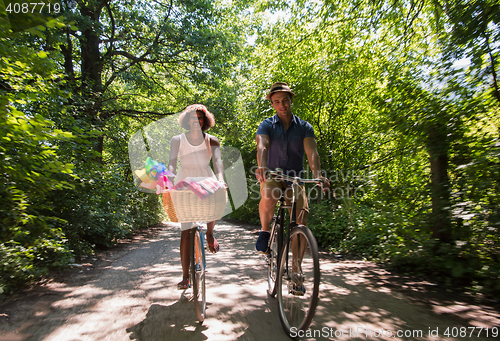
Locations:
470 30
115 51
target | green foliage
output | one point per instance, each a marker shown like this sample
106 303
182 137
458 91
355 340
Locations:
352 228
387 111
55 204
423 130
474 29
31 241
329 229
16 268
102 209
249 211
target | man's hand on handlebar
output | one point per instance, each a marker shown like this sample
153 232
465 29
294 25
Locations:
260 174
326 183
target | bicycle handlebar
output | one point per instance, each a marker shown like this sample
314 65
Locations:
278 174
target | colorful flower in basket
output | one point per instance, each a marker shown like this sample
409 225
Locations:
155 175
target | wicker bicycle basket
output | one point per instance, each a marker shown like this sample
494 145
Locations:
184 206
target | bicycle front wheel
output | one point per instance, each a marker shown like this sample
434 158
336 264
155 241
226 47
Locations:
198 274
298 280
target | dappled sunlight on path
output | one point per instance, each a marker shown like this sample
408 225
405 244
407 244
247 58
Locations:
237 301
134 296
365 302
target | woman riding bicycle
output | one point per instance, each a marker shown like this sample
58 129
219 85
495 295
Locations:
195 149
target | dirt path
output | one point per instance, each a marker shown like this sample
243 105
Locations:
130 293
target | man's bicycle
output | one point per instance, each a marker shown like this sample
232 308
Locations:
293 272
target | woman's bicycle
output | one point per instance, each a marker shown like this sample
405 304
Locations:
188 208
293 272
197 269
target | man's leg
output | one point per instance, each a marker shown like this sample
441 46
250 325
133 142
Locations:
302 206
298 243
267 204
269 195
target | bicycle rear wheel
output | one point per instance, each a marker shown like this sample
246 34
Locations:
298 280
272 259
198 273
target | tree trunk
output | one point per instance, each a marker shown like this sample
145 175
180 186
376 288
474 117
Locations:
67 52
440 184
92 73
91 56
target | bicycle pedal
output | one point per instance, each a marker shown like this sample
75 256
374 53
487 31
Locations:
298 291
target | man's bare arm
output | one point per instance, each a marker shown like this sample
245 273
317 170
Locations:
217 158
174 152
263 142
311 149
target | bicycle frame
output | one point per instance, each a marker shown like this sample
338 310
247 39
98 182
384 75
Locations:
286 257
199 227
296 183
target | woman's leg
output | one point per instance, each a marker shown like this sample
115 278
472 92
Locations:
213 245
185 253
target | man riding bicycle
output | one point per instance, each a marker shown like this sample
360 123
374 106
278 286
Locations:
282 141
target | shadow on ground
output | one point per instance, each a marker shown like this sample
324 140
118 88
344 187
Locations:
169 322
